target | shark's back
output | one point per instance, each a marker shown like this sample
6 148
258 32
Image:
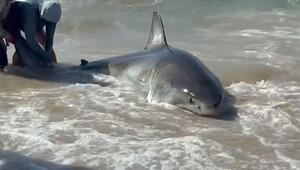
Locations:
139 63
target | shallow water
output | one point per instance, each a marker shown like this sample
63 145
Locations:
253 47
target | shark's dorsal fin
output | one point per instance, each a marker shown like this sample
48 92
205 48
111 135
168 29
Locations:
157 35
83 62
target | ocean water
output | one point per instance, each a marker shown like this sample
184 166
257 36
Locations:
252 46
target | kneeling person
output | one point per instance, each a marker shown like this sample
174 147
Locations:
31 17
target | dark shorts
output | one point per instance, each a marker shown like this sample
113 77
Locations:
13 23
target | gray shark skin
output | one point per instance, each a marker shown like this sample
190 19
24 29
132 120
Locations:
169 75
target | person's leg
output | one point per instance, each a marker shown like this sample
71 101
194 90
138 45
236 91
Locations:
3 55
15 60
13 26
23 56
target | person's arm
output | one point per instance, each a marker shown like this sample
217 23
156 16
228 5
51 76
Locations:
29 24
50 30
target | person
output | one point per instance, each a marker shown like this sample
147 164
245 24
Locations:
4 9
38 20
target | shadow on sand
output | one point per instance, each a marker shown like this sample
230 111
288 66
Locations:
14 161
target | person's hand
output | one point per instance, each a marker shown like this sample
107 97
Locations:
47 64
10 39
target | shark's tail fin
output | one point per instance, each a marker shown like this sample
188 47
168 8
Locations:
157 35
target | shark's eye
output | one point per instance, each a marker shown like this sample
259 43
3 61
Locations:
191 100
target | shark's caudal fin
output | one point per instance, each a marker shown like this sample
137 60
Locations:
157 35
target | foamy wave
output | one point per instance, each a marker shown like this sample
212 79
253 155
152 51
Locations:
278 32
267 111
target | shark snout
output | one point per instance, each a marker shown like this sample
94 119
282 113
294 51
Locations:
223 109
210 109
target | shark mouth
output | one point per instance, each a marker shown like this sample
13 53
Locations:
213 113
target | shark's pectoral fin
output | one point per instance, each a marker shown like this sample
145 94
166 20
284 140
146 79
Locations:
157 35
83 62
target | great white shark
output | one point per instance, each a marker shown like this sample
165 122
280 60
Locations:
167 74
